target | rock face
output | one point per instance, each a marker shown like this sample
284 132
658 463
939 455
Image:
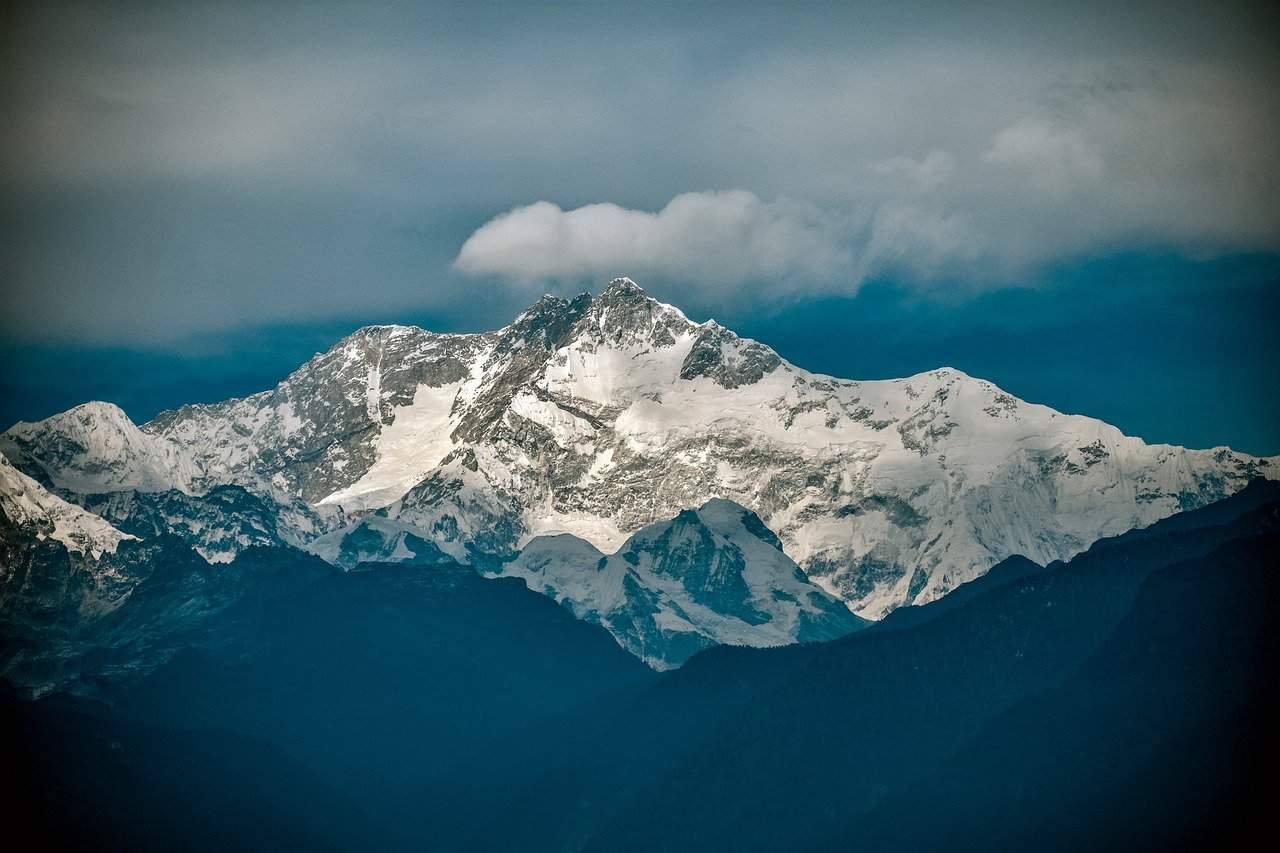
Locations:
711 576
600 415
27 505
61 568
218 524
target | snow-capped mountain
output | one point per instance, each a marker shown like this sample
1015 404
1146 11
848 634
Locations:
94 447
59 565
218 524
710 576
599 415
32 508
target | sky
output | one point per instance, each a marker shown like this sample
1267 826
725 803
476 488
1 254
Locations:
1077 204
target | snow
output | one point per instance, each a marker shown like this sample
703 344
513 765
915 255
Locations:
567 429
579 575
290 422
107 451
328 546
28 504
607 375
938 472
373 395
413 444
597 531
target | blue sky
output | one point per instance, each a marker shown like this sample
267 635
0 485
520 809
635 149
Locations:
1078 205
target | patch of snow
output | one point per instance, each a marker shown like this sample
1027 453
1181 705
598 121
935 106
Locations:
28 504
407 449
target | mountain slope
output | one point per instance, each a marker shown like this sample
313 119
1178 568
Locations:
906 739
602 414
390 682
27 504
59 567
219 523
305 690
1120 700
89 780
715 575
1161 740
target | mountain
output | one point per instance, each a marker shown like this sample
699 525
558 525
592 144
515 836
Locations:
1120 700
600 415
82 600
317 706
219 523
85 626
89 780
59 567
388 683
714 575
710 576
26 504
1161 740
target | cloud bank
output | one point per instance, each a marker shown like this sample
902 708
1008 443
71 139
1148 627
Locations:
722 241
1053 158
717 238
171 168
1097 159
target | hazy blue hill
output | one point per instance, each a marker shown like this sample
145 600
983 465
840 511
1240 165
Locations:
81 779
1005 572
391 681
790 747
1086 703
1257 494
380 685
1161 740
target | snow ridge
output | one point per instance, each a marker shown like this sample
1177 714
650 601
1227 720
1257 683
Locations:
600 415
715 575
28 504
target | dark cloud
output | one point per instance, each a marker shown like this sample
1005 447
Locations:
171 168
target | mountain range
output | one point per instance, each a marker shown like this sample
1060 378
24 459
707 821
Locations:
669 480
1121 700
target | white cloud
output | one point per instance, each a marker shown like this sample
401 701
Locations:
920 242
721 241
925 175
714 238
1055 158
913 176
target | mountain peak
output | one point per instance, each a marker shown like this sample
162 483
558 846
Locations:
93 447
622 286
544 303
709 575
26 503
624 291
94 410
624 315
719 354
543 323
